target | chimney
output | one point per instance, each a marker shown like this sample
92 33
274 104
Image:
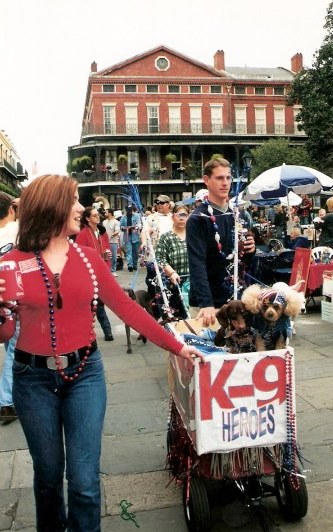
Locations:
93 67
297 63
219 60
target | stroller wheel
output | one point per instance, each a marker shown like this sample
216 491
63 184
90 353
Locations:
196 507
293 502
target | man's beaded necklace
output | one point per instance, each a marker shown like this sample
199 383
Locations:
52 304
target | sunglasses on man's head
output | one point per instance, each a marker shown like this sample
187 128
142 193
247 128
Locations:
159 202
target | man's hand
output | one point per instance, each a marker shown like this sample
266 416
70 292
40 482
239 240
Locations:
208 316
249 244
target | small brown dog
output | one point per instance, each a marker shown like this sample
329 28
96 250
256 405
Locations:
143 298
272 309
235 333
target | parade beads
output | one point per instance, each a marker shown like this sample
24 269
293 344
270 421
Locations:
57 303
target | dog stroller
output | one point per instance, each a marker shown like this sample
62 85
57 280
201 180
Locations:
232 422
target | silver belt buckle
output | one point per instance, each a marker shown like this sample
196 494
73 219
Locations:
51 362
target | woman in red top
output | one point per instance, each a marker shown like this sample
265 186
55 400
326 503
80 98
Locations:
94 235
58 380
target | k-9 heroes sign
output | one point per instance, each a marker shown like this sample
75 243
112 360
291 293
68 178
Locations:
240 400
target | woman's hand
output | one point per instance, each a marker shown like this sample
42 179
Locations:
190 353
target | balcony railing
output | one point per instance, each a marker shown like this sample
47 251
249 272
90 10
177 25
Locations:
195 129
120 178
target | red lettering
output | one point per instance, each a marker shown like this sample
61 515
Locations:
214 390
261 383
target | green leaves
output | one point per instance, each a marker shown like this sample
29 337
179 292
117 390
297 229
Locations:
275 152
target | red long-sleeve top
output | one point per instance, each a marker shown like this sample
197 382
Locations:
87 237
73 322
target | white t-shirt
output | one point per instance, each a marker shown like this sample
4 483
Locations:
8 233
112 226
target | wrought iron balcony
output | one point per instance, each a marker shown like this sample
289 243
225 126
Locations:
194 128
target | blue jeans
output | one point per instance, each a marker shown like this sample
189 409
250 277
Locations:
103 318
6 378
114 247
58 416
131 250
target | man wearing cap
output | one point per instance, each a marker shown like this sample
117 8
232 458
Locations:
200 196
159 222
209 237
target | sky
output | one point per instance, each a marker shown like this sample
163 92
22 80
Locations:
47 47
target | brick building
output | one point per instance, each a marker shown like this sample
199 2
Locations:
11 170
159 116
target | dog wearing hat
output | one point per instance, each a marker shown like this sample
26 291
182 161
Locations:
272 310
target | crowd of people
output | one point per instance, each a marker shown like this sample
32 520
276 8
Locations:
67 254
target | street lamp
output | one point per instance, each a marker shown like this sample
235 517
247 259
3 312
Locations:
240 180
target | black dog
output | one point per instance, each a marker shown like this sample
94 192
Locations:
144 300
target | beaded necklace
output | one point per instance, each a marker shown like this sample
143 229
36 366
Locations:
52 304
213 220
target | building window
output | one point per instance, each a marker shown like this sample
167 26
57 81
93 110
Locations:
216 118
174 119
109 119
260 120
279 91
153 126
279 121
154 162
130 88
152 88
240 89
133 159
296 111
195 89
240 119
195 119
259 91
131 117
215 89
108 88
173 88
111 158
162 63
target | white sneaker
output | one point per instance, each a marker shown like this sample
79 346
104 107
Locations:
114 274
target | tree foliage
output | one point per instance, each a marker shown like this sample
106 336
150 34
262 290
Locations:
275 152
312 88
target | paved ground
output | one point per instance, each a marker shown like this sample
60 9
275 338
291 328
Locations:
134 450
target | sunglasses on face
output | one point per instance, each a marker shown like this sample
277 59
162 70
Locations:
158 202
181 214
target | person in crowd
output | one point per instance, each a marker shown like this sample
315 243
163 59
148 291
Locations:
93 235
200 196
130 225
8 234
304 210
271 214
159 222
148 210
171 255
316 222
325 225
297 240
280 222
59 388
209 240
154 227
245 217
112 227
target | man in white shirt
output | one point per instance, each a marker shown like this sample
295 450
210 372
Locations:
159 222
112 227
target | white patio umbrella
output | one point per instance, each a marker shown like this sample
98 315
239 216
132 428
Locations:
277 182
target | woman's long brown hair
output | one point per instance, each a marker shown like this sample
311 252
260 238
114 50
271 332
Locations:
45 206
